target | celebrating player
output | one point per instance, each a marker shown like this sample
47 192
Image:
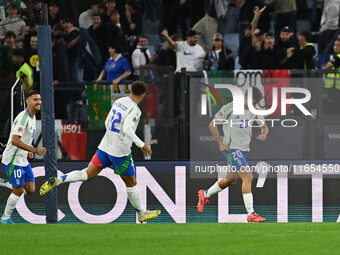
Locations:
115 150
19 172
235 147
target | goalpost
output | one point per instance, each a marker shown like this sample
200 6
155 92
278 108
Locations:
47 113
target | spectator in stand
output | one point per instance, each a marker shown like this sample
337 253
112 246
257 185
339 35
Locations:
101 9
247 14
329 25
285 41
85 18
53 14
24 71
33 23
334 63
189 53
268 57
110 6
261 54
207 26
61 71
335 59
115 31
60 58
332 80
141 55
99 35
134 18
6 51
32 58
14 24
301 57
166 56
219 57
68 9
117 67
72 42
285 15
306 52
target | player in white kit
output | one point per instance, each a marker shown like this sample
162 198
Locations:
235 147
115 149
18 170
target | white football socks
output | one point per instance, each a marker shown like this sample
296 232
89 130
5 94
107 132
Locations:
248 202
11 203
134 198
214 189
73 176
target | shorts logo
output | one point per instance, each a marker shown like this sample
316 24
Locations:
17 181
134 119
20 129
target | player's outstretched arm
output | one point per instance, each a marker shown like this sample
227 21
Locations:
214 131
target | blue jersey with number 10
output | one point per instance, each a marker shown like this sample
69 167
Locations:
121 124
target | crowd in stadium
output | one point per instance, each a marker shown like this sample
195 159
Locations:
111 39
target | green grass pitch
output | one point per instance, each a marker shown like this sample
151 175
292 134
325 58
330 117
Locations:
193 238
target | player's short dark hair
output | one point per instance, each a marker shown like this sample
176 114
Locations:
257 94
10 34
191 33
18 52
31 93
138 88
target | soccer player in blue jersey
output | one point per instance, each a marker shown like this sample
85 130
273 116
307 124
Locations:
115 150
235 146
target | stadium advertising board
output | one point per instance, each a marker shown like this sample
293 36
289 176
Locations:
284 191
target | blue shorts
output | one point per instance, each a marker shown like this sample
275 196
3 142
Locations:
236 158
19 175
121 165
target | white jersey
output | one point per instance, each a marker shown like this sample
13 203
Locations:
121 124
23 126
189 57
237 131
